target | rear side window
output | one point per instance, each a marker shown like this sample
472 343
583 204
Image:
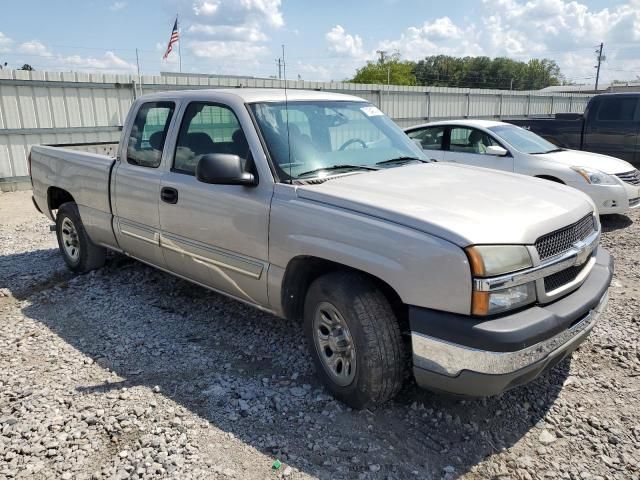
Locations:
617 109
148 133
208 128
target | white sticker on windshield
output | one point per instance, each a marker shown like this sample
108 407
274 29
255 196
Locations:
371 111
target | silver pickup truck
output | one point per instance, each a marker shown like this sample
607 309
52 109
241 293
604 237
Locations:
316 206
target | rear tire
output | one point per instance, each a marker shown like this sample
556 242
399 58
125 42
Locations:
79 252
354 339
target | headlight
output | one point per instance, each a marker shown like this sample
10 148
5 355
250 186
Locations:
493 260
595 177
497 301
490 260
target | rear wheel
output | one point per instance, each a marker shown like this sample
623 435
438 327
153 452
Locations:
354 339
79 252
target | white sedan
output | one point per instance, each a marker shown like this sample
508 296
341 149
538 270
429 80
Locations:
613 184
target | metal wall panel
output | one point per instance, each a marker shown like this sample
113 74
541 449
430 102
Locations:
85 108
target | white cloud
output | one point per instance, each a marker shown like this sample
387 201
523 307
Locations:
225 31
115 6
34 47
342 43
5 43
43 58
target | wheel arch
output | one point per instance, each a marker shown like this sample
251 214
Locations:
56 196
551 178
302 270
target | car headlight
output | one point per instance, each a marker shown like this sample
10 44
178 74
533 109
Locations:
595 177
492 260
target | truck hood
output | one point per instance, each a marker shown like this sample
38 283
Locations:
577 158
462 204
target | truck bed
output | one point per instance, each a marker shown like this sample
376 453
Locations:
564 131
85 177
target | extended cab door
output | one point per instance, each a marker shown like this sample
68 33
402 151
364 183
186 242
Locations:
136 182
612 126
216 235
431 140
468 145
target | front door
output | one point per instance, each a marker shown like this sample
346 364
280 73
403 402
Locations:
136 185
216 235
469 146
431 140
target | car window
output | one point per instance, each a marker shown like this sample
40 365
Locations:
207 128
148 133
617 109
430 138
470 140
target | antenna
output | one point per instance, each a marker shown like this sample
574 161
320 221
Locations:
286 109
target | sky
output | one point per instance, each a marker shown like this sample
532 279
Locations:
324 40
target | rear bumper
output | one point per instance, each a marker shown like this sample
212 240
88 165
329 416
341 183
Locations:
474 357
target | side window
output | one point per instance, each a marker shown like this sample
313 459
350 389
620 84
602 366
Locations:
470 140
208 128
429 138
147 136
617 109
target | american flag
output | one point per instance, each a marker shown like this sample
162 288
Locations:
174 38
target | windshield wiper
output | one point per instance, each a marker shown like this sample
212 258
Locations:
401 160
338 167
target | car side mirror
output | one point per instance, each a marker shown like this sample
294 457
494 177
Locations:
223 169
497 151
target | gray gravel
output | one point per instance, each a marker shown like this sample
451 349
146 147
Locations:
128 372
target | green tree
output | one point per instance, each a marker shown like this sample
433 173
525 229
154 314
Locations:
391 69
26 66
485 72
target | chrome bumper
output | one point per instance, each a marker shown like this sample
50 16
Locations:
450 359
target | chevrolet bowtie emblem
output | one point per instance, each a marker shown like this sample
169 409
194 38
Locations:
583 252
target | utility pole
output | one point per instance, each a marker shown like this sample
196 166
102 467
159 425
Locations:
284 66
279 63
383 54
138 62
511 85
600 59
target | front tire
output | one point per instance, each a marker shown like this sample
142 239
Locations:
79 252
354 339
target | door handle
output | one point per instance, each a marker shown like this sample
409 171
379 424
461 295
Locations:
433 160
169 195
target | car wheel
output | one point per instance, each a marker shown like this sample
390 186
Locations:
79 252
354 339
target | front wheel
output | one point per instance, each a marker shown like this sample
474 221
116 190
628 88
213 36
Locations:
354 339
79 252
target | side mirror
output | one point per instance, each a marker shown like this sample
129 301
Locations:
497 151
223 169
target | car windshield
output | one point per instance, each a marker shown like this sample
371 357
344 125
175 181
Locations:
328 137
524 141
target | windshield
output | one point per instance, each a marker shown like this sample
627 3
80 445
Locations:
524 141
336 136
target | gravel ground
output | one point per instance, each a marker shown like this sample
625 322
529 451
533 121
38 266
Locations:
128 372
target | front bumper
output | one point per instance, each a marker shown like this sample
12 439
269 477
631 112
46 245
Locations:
479 357
611 199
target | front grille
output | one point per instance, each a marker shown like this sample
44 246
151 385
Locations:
563 277
561 240
632 177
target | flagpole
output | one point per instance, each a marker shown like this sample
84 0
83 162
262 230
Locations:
179 44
